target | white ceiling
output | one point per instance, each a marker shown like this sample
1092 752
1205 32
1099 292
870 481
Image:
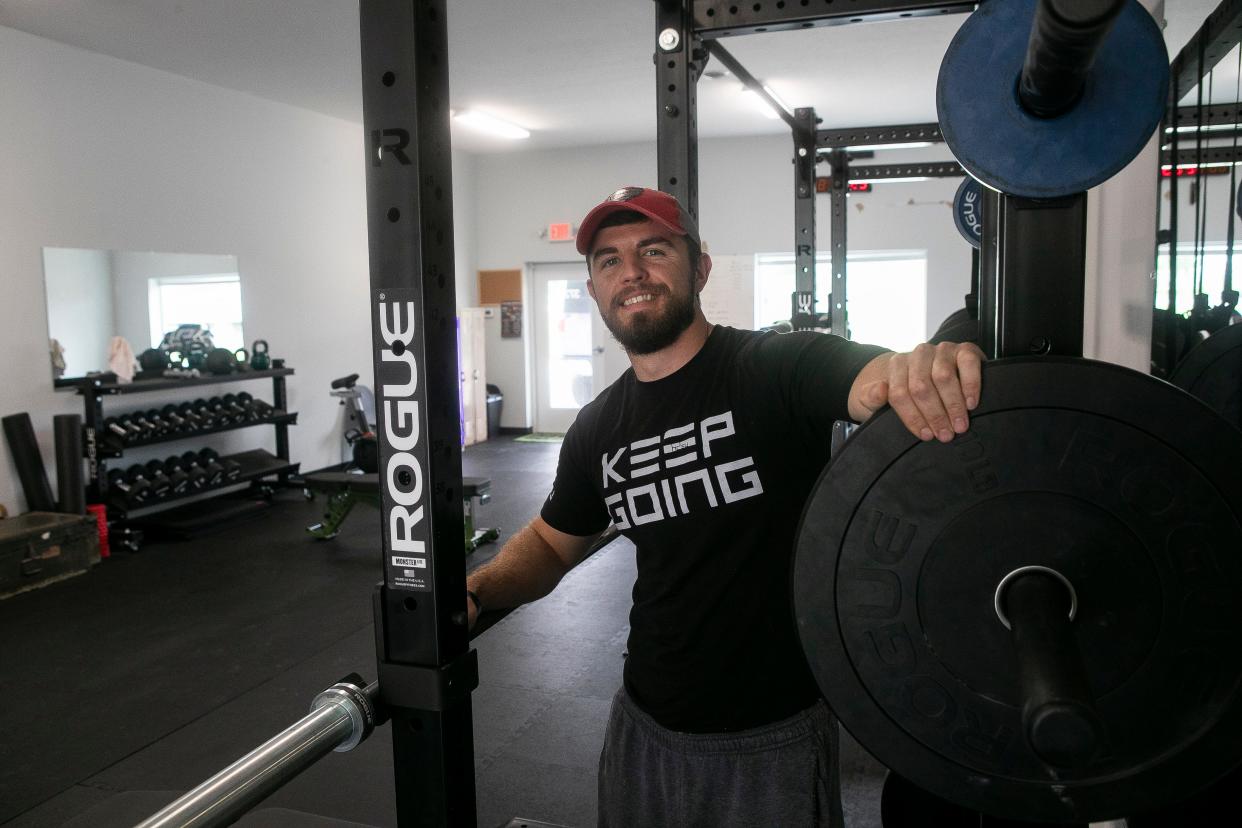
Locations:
574 72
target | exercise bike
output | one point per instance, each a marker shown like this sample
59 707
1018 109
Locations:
356 479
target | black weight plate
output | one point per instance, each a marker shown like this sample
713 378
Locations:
1129 487
1212 371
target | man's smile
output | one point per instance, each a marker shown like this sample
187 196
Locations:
637 299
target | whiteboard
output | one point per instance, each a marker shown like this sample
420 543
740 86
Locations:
729 298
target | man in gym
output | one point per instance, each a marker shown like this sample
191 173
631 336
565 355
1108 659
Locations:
703 454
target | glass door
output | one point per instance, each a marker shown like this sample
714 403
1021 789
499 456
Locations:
568 347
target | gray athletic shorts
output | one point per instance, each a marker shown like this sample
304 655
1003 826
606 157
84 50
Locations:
783 774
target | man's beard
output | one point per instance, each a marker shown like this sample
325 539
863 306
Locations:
648 332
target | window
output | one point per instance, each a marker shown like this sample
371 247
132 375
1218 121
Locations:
212 300
887 294
1213 273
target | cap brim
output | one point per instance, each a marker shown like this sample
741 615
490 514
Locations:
590 224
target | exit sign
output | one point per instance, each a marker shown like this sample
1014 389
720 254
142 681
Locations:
560 232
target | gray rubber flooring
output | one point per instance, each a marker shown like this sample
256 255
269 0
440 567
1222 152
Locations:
152 672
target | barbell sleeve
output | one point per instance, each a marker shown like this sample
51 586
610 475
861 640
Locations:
1065 37
340 718
1058 711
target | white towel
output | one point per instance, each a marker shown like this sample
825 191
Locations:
121 359
58 357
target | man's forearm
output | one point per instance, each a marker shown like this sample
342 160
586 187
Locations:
526 569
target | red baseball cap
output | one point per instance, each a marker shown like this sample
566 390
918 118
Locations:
658 206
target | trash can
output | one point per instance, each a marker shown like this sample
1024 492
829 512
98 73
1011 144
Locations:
495 404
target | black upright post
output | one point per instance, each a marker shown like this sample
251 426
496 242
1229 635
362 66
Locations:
838 309
972 298
677 55
280 401
92 434
989 251
426 671
1043 254
1032 285
803 316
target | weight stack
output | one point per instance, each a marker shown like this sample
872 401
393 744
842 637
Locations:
70 482
19 432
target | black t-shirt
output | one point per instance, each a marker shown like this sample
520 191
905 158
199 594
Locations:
706 471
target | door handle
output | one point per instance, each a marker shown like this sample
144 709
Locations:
599 349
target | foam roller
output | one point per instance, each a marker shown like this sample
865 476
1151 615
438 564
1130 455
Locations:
70 485
19 432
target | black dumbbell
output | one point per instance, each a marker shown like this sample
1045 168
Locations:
193 419
220 411
204 409
139 429
179 480
125 493
262 409
257 408
213 414
150 428
232 469
115 433
215 471
173 417
188 464
163 427
115 428
160 481
232 405
160 485
197 469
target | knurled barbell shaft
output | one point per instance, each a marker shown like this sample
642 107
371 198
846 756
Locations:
1065 37
1058 714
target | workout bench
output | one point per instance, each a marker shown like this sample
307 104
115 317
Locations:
345 489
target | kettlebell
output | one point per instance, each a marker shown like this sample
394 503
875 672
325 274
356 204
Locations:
259 359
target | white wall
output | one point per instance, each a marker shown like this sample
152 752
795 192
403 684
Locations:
80 313
745 207
101 153
1121 249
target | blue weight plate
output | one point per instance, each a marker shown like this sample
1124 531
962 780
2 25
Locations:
967 207
1009 150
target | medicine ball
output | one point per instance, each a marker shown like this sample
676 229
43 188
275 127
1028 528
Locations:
153 359
220 361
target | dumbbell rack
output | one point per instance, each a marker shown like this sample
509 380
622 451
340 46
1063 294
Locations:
255 464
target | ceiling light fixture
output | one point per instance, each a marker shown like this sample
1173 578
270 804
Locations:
898 180
908 145
490 124
1205 128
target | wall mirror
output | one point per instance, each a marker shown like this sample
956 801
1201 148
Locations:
95 295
